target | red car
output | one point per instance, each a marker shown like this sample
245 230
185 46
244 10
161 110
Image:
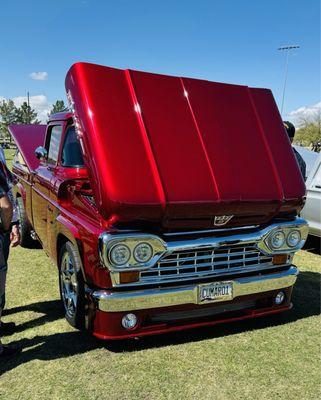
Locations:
167 203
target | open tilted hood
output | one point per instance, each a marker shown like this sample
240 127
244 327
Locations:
28 138
182 151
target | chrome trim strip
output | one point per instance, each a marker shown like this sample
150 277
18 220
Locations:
239 228
109 301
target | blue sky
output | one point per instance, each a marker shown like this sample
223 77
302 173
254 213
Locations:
229 41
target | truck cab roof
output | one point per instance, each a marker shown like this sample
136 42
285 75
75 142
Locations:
62 116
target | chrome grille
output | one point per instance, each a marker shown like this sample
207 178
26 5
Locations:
207 262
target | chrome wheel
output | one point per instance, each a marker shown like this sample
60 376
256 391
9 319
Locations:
69 284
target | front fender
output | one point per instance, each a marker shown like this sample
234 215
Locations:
65 230
86 243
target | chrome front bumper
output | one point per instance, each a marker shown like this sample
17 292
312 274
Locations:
110 301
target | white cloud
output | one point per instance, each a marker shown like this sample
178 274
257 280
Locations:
39 103
39 76
304 113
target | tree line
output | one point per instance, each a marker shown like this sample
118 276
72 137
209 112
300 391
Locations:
309 132
11 114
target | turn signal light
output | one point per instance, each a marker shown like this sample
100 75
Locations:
279 259
128 276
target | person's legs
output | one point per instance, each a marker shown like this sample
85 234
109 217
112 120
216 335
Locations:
6 247
5 350
3 277
9 327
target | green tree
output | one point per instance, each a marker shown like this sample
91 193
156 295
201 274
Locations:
26 115
59 106
7 117
309 133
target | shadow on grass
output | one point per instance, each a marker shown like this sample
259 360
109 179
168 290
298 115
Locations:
50 347
306 299
51 310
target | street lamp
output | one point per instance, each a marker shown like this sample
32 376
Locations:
288 50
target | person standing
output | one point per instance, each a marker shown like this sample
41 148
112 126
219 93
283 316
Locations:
9 232
290 129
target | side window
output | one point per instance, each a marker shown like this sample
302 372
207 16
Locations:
54 142
71 155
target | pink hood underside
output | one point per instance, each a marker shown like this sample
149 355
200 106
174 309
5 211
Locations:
28 138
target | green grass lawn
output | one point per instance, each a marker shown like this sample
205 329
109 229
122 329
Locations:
271 358
9 153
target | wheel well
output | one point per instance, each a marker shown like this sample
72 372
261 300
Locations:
61 240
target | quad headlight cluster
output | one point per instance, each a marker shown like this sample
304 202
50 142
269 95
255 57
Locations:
286 238
120 253
280 239
132 251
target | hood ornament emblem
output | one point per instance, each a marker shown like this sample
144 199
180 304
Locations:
220 220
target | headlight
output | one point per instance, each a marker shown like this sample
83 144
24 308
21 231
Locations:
143 252
277 240
130 251
119 254
294 238
284 237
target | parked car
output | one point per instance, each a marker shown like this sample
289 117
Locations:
312 209
308 156
161 211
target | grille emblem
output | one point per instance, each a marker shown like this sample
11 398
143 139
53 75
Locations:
220 220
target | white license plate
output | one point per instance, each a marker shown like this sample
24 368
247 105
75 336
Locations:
218 291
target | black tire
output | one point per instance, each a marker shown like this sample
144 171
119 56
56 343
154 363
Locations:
25 228
71 286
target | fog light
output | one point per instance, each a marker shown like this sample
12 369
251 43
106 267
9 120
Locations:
129 321
279 298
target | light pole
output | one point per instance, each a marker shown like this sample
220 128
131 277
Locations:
287 49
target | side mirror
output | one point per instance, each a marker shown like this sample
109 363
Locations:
41 153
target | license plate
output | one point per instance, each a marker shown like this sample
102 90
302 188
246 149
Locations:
218 291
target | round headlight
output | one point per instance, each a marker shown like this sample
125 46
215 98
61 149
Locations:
294 238
143 252
119 254
277 239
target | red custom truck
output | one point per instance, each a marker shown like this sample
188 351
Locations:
167 203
